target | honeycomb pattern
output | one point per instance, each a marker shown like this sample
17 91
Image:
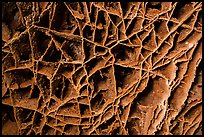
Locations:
97 68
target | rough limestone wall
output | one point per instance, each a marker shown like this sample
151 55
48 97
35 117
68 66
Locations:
101 68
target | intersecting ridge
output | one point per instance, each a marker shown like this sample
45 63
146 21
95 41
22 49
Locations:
97 68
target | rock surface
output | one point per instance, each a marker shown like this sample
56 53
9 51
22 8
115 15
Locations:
102 68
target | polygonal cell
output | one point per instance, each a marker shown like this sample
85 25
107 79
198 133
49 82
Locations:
127 23
46 110
88 4
170 25
19 77
78 75
38 121
112 7
85 121
168 70
83 100
135 111
81 24
73 50
162 28
97 63
24 115
115 19
72 120
112 34
153 9
25 131
78 12
84 110
62 88
67 70
100 50
162 50
69 90
101 18
126 76
7 113
71 109
46 68
191 20
135 25
108 113
88 49
184 7
124 53
8 62
51 120
121 31
71 129
76 31
95 119
12 17
58 38
35 92
97 102
149 42
40 42
43 83
105 126
98 81
83 80
88 32
143 34
84 91
44 19
21 48
53 54
63 18
58 86
100 36
47 130
21 94
155 92
59 16
145 52
52 104
103 82
125 6
93 14
70 22
41 104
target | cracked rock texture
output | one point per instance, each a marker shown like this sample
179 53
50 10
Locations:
101 68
